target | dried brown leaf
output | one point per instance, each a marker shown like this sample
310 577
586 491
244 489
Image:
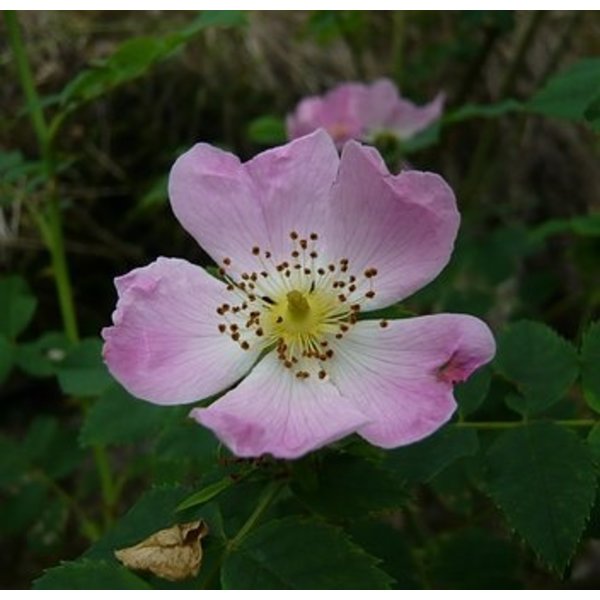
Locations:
174 553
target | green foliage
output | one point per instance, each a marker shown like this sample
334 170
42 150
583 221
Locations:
543 479
471 394
570 93
472 559
90 575
390 545
135 57
116 417
44 356
339 490
539 362
82 372
267 130
298 553
425 459
482 111
590 366
17 306
6 358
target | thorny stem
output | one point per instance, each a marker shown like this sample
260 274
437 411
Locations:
50 225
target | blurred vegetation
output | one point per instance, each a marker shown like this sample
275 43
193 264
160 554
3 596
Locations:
123 94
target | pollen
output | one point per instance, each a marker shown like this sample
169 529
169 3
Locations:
293 305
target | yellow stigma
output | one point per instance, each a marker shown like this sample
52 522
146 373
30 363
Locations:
298 307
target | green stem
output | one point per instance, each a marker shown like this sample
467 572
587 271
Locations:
512 424
49 222
88 527
264 502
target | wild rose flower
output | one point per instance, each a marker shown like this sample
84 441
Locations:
362 112
306 243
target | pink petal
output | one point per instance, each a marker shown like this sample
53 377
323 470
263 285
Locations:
404 226
401 376
165 345
408 119
230 207
378 105
273 412
338 112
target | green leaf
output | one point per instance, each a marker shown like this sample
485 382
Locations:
543 478
7 352
584 226
136 56
482 111
568 94
296 553
348 486
538 361
471 394
593 441
472 560
43 357
90 575
590 366
390 545
17 306
82 372
207 493
116 417
267 130
425 459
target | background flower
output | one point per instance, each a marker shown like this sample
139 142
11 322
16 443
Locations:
360 111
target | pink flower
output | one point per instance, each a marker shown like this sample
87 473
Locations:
307 242
359 111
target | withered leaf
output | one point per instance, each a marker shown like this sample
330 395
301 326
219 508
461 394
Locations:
174 553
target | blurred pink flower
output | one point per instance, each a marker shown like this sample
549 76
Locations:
306 242
362 112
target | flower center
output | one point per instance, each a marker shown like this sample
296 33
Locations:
300 306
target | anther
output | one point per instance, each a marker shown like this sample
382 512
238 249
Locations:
322 374
313 254
295 254
303 244
294 235
259 332
342 298
321 271
226 261
245 345
222 328
383 323
279 319
370 294
256 250
235 336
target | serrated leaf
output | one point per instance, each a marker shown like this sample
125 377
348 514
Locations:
17 306
116 417
590 366
348 486
385 542
82 372
297 553
542 364
90 575
471 394
568 94
425 459
472 560
44 356
543 478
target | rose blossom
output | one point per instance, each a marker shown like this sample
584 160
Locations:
359 111
306 242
